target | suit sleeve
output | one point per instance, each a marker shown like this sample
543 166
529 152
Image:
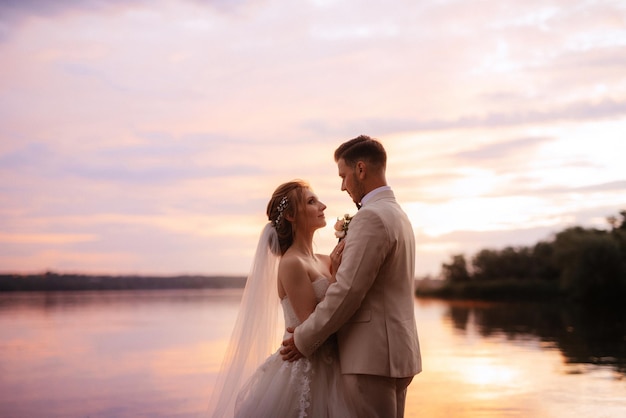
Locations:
367 245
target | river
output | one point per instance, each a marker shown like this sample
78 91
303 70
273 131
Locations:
155 354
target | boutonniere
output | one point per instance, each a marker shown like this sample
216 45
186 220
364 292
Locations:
341 226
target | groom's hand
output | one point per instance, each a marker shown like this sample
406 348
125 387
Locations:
289 351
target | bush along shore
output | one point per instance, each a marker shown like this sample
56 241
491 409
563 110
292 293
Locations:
50 281
585 265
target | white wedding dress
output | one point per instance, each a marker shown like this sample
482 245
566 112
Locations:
309 387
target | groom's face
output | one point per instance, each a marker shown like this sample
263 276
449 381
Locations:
350 181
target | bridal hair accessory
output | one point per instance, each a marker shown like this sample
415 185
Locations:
281 207
341 226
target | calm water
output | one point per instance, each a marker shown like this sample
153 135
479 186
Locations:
155 353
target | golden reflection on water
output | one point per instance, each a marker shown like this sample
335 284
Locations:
482 371
462 382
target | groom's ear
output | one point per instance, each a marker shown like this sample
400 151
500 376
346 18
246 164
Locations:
360 169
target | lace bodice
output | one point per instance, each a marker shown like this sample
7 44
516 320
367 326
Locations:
319 287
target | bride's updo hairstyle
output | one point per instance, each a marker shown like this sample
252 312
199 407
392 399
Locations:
287 200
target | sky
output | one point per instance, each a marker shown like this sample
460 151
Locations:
146 137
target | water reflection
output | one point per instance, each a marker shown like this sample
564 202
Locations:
494 360
156 353
584 335
111 354
69 300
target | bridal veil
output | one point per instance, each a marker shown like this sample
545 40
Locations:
254 335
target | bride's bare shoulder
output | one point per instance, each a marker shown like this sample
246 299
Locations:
291 264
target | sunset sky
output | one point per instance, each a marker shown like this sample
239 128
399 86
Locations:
146 137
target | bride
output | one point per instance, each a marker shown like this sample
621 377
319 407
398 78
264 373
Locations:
285 269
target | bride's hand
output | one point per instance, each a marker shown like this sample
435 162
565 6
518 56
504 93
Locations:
290 352
335 257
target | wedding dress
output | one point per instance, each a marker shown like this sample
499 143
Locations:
308 387
252 381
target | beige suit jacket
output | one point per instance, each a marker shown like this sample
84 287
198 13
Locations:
371 306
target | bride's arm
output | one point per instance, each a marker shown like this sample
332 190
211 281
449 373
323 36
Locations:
294 279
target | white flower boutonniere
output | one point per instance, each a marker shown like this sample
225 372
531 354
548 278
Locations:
341 226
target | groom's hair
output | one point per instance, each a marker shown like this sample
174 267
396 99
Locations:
362 148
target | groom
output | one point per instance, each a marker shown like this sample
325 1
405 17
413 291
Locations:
370 307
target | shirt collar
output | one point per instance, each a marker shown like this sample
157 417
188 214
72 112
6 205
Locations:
374 193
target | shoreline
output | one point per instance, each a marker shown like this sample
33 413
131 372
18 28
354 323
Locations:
60 281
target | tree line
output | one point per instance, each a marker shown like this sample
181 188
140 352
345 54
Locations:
585 264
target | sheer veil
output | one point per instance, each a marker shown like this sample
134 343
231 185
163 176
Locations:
254 335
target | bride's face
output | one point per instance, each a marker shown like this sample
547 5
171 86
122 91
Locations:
313 213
